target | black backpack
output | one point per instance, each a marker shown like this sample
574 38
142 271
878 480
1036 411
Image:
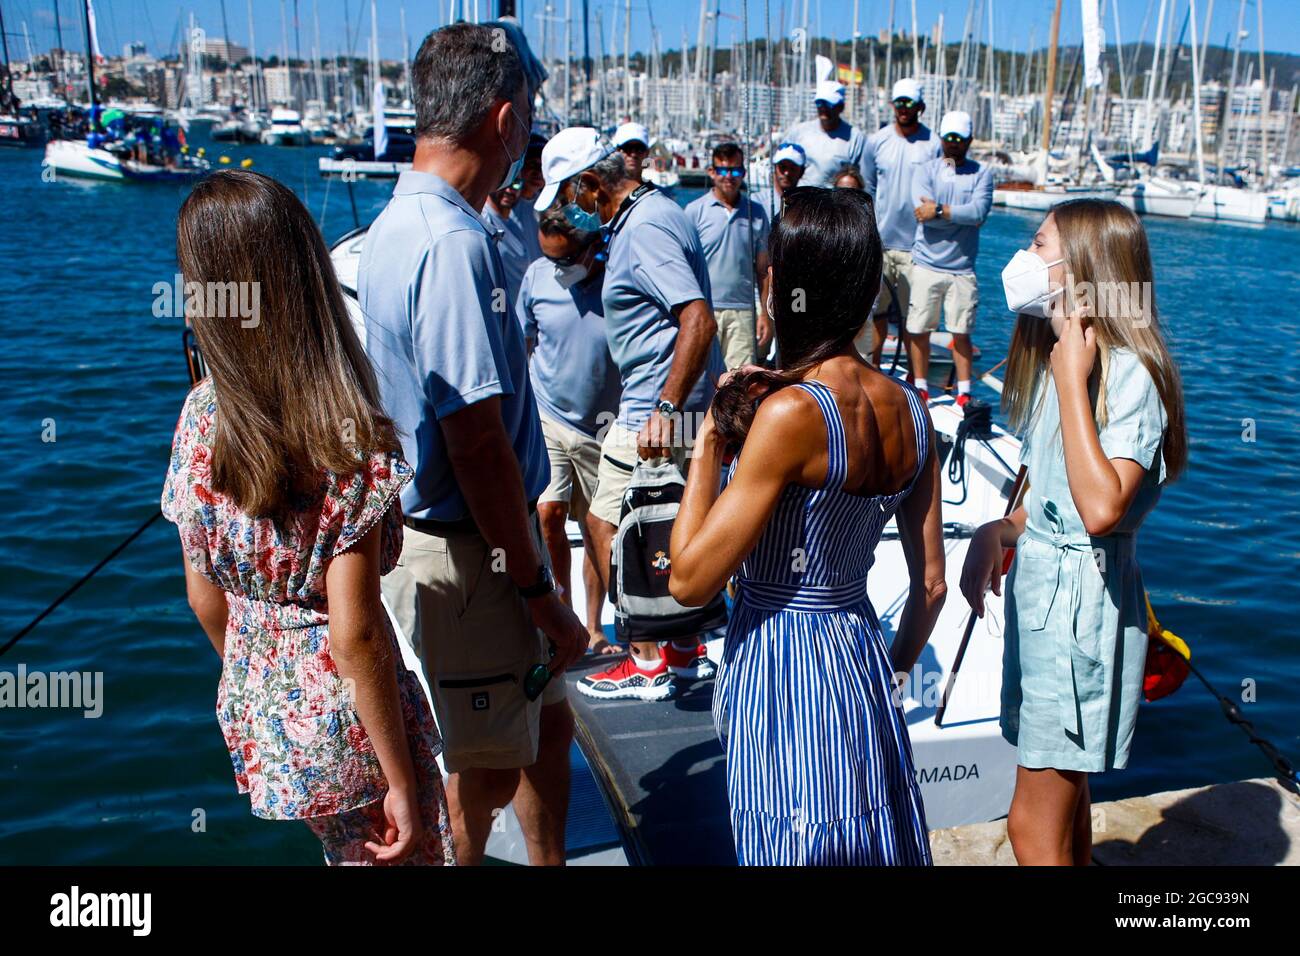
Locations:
644 610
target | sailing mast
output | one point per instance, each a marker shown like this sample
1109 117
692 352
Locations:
1046 142
1225 120
90 61
1265 94
9 80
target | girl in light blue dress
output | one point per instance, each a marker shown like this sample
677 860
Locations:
819 765
1091 383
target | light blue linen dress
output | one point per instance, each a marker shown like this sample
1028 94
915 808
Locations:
1076 634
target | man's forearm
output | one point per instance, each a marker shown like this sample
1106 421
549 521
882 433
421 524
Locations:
694 339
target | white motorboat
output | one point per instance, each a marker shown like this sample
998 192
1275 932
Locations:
1231 204
286 129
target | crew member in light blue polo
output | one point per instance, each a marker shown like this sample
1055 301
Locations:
733 234
828 141
663 338
787 170
577 388
515 229
473 589
894 154
951 198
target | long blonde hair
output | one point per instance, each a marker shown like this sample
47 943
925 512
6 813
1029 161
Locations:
1110 279
295 392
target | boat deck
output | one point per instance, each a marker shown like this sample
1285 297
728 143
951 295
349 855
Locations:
662 771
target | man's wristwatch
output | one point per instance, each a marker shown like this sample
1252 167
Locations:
938 210
666 408
543 586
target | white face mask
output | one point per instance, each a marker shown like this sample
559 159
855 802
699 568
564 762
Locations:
570 275
1024 281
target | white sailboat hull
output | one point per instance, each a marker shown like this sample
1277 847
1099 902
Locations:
1152 197
1042 200
1231 204
76 158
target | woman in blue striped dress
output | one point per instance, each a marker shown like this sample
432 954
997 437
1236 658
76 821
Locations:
819 765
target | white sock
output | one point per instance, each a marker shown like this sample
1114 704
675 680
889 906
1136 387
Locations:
921 385
963 388
641 663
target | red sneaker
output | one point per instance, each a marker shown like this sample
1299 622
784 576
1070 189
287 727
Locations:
925 396
962 399
626 680
691 664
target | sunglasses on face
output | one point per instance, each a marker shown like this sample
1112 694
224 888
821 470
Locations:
565 261
903 103
734 171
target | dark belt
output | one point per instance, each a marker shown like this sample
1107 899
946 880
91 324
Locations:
465 525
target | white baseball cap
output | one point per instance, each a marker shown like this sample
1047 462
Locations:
569 152
956 121
629 133
792 152
829 92
908 88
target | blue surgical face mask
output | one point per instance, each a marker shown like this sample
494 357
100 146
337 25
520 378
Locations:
580 219
516 165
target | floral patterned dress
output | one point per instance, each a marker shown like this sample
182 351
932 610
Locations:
295 738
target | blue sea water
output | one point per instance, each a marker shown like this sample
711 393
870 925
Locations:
83 356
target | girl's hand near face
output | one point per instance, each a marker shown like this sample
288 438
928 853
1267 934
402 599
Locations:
1075 351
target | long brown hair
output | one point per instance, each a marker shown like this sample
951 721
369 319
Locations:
1106 257
294 389
826 263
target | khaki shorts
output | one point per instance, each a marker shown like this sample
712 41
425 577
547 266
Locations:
897 271
575 460
464 617
932 291
618 456
737 335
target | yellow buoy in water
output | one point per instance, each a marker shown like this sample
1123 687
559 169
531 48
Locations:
245 163
224 160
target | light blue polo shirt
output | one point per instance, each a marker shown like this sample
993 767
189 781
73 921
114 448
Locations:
517 242
574 375
827 152
442 335
951 245
731 240
655 263
892 161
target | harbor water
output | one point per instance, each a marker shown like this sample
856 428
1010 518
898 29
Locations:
94 378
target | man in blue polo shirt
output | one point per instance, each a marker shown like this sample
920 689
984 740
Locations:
829 142
473 586
894 154
733 233
787 170
577 387
951 198
515 229
663 338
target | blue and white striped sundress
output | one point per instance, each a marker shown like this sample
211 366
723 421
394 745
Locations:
819 765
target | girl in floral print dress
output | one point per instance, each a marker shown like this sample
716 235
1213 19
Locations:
284 484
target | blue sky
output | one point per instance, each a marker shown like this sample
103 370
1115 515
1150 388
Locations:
157 22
